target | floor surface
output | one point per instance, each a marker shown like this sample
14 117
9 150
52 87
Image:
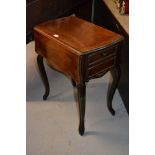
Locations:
52 125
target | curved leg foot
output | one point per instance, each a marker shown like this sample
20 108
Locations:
81 102
112 88
43 76
81 129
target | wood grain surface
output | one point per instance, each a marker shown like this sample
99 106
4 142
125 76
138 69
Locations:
78 34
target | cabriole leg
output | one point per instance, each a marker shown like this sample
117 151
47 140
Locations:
112 87
81 102
43 76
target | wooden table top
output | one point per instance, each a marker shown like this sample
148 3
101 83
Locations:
78 34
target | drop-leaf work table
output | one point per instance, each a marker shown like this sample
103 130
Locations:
80 50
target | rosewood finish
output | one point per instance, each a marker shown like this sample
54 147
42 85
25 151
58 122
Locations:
80 50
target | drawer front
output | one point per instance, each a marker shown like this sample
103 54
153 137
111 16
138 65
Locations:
101 56
101 67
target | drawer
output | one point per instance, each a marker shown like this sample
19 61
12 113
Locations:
101 55
101 67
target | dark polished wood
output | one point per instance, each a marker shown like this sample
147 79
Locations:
112 87
81 102
80 50
43 76
79 36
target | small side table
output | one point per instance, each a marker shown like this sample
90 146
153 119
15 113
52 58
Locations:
80 50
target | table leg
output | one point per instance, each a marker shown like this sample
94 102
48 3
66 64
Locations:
112 87
81 102
43 76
